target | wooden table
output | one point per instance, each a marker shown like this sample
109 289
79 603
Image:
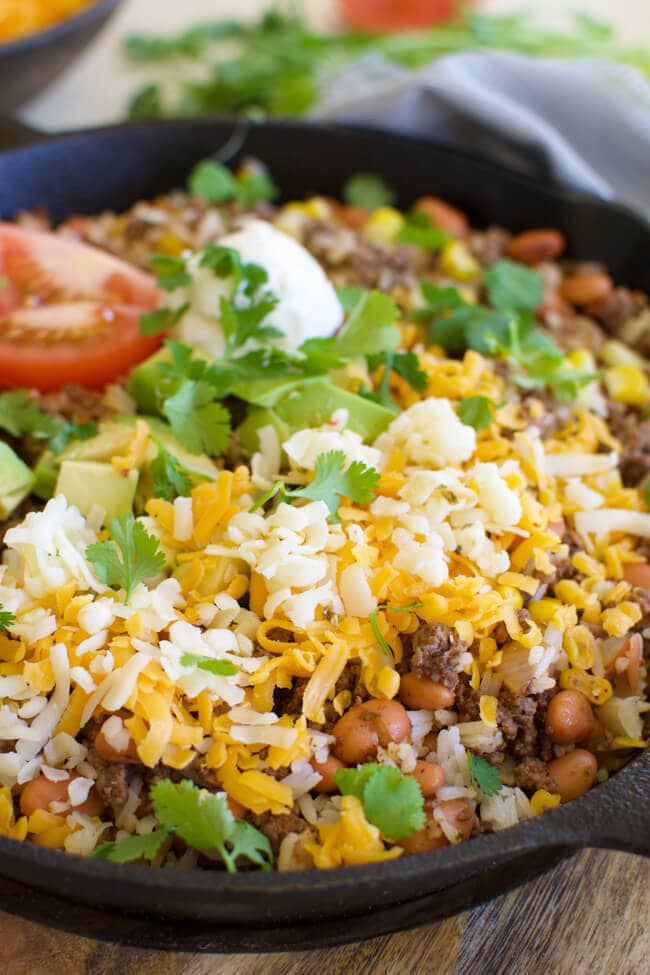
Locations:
589 916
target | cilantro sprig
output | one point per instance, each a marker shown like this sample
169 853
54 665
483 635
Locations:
374 622
332 481
476 411
506 330
406 365
419 229
170 478
202 820
215 183
128 558
368 190
21 416
483 776
221 668
7 619
391 801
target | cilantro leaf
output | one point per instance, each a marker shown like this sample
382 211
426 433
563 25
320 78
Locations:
476 411
513 287
161 319
392 801
349 296
369 191
332 481
370 328
131 848
206 824
222 668
212 181
418 229
170 477
71 430
171 272
483 776
7 619
131 556
21 416
255 186
200 424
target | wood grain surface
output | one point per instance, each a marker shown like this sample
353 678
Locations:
589 916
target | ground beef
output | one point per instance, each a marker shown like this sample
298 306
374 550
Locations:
288 700
112 780
635 461
641 596
522 720
75 403
490 245
618 307
532 774
350 680
467 700
341 250
433 651
275 828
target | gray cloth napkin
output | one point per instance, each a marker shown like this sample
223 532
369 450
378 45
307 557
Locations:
583 123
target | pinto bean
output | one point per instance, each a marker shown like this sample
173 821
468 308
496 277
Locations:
109 753
569 718
637 574
235 807
583 288
429 776
574 773
354 217
328 770
460 814
431 837
443 215
366 726
421 692
41 791
535 246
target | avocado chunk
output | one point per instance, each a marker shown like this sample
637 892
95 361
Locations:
86 483
144 381
311 405
16 480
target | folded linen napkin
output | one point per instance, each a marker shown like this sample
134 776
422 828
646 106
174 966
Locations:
583 123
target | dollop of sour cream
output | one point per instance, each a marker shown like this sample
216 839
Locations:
308 306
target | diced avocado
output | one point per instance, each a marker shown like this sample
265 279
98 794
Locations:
199 464
268 392
87 483
16 480
45 475
313 404
144 380
258 417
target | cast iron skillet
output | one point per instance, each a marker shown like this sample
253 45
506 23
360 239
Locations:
252 911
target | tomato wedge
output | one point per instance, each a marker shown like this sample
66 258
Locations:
69 313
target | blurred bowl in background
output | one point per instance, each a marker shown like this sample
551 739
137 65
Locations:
29 63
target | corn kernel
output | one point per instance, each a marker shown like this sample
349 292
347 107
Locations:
457 262
383 225
627 384
488 710
543 800
582 359
614 353
543 610
597 690
511 596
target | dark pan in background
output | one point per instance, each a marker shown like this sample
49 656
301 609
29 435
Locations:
201 911
28 64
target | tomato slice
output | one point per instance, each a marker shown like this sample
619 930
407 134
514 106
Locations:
69 313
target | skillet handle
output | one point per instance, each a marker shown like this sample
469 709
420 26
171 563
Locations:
620 817
14 134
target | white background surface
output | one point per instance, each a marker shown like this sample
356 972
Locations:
96 88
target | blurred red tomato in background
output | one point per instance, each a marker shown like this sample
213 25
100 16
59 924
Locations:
387 15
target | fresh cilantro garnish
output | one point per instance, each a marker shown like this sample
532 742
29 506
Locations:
170 478
507 331
7 619
483 776
200 423
370 330
21 416
476 411
217 184
332 480
513 287
391 801
130 848
161 319
130 557
419 229
206 824
406 365
374 623
222 668
171 272
349 295
368 190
